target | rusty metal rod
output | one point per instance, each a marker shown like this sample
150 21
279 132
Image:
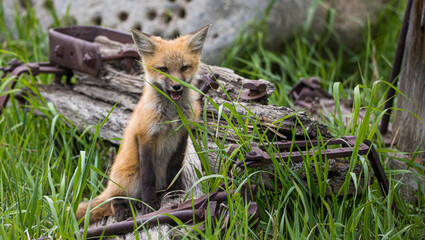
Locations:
5 98
383 128
210 81
18 68
128 226
258 158
195 210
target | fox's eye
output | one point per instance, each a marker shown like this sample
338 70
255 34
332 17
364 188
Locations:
163 69
184 68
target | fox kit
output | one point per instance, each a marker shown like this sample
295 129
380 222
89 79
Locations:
152 150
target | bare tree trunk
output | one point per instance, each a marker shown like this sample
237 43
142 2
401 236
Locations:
409 130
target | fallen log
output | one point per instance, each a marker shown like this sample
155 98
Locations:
92 98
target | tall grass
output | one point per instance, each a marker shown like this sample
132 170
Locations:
42 164
322 56
47 164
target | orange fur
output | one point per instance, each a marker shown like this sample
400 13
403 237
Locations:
146 125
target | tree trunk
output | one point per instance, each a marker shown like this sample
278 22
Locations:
409 130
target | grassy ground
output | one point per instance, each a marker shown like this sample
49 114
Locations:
47 165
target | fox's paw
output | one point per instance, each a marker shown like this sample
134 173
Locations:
122 214
122 209
148 206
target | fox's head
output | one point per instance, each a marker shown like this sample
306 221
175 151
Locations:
178 57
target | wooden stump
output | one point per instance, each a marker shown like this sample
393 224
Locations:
408 129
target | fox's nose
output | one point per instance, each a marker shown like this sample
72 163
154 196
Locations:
177 87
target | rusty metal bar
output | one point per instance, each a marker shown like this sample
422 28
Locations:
191 210
306 92
184 215
210 81
17 68
5 98
257 157
383 128
73 48
129 226
70 48
254 90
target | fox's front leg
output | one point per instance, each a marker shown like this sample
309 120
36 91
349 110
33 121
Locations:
145 183
148 193
176 163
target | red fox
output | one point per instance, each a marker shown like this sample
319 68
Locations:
152 150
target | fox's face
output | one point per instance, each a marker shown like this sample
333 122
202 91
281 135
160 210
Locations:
178 58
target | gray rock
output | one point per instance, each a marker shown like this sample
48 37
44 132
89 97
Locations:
169 18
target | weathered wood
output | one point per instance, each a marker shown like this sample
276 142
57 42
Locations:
409 130
91 98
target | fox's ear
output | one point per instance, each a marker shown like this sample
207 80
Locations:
197 39
145 45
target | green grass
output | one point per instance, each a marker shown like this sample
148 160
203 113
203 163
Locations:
322 56
47 164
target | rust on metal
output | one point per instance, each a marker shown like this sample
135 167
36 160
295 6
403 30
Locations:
189 211
306 93
17 68
257 157
210 81
254 90
73 48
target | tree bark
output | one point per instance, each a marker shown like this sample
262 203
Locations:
408 125
409 129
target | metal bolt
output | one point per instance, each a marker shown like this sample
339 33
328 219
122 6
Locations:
252 153
255 90
58 50
210 81
88 59
14 62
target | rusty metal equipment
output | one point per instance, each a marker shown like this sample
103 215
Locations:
257 157
307 92
210 81
17 68
189 211
73 49
253 90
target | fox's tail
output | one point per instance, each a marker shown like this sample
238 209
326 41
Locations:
103 209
